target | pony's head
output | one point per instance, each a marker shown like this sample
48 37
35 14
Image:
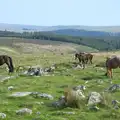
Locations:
11 69
76 55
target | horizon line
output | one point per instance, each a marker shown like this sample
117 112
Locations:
61 25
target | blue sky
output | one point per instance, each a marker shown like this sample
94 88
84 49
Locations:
60 12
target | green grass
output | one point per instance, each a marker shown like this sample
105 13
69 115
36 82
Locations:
63 75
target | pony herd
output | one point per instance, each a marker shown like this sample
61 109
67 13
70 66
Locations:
112 62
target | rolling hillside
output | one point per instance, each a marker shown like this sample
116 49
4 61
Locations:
93 42
12 45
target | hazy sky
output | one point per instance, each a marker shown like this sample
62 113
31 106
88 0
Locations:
60 12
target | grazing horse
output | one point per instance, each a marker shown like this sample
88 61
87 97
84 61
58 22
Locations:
4 59
85 56
82 58
112 63
89 57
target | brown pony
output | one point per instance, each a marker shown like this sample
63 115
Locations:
112 63
82 58
89 57
85 56
4 59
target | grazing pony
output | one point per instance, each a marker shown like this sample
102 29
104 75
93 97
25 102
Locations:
4 59
89 57
112 63
82 58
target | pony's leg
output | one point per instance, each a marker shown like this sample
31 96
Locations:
80 62
91 61
86 61
9 67
111 76
110 73
83 63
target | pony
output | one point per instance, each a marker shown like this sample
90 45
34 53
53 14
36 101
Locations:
5 59
81 57
112 62
87 57
84 57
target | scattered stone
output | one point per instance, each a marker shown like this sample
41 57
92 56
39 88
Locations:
113 88
42 95
35 71
80 93
80 87
10 88
2 115
20 94
60 103
40 103
38 71
23 111
116 104
77 67
94 98
38 113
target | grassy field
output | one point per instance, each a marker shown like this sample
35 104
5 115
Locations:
63 75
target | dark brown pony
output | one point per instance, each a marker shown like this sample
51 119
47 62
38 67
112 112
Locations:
112 63
89 57
84 56
4 59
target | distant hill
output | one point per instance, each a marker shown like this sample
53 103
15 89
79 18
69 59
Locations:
84 33
21 28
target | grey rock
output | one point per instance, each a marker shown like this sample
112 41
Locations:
80 87
35 71
20 94
113 88
94 98
42 95
10 88
77 67
23 111
2 115
38 113
60 103
116 104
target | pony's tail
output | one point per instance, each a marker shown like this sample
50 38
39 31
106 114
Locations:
11 64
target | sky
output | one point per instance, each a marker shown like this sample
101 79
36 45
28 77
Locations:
60 12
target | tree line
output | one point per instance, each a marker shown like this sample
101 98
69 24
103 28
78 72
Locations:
101 43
